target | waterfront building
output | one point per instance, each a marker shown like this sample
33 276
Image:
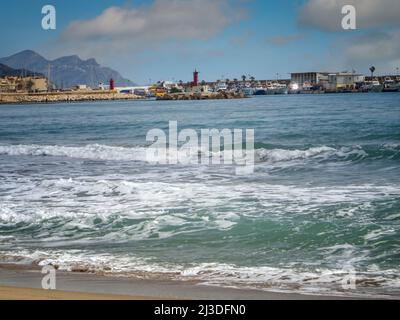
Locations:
344 81
23 84
38 84
8 84
81 87
313 78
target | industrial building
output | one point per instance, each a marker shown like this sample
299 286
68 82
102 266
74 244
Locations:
344 81
330 81
312 78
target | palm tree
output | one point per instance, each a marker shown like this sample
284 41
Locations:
252 79
244 78
372 69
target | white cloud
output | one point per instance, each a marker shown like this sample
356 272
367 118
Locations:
378 48
127 37
377 41
164 20
326 14
380 45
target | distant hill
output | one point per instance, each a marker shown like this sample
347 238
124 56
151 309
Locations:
7 71
66 72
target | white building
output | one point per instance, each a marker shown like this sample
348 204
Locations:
81 87
343 80
143 90
199 89
312 78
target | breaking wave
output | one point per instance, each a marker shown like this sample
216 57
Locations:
113 153
369 283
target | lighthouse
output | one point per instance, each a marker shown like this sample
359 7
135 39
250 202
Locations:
195 78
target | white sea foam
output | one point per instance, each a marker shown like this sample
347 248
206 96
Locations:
378 233
104 152
93 152
317 281
277 155
155 207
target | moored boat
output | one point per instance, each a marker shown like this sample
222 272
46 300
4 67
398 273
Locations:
372 86
391 86
277 88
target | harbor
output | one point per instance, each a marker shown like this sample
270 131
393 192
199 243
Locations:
40 89
248 86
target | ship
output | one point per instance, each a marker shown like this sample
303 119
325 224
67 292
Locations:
221 86
391 86
372 86
277 88
260 91
248 91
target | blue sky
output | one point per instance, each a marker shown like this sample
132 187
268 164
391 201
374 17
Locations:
227 38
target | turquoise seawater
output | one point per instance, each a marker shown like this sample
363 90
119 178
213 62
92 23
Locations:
323 202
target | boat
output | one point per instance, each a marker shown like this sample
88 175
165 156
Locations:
277 88
294 88
307 87
248 92
260 91
221 86
372 86
391 86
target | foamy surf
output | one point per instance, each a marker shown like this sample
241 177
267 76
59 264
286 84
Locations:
77 192
138 153
319 281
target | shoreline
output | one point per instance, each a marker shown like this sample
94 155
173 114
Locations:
98 96
24 282
16 293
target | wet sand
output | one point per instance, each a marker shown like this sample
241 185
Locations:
12 293
22 283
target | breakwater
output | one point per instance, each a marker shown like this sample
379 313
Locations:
67 96
202 96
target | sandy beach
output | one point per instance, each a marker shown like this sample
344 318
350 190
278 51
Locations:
22 283
13 293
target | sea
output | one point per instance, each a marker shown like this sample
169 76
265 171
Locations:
320 214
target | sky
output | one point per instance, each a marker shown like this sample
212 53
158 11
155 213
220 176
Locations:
154 40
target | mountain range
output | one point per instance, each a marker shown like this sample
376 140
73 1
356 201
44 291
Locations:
65 72
7 71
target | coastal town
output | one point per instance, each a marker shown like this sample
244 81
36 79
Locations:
40 89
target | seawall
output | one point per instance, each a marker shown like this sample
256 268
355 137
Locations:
67 96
